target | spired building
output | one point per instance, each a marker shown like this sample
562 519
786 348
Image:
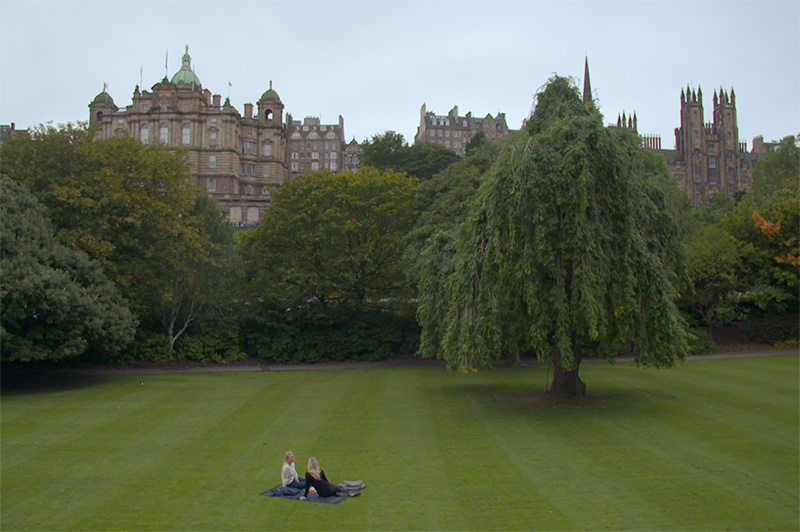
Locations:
238 159
454 132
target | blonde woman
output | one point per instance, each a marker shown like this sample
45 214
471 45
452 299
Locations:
289 476
315 477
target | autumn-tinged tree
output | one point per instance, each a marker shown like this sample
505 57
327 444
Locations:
571 249
56 302
766 225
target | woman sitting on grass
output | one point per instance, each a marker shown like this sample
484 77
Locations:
315 477
289 476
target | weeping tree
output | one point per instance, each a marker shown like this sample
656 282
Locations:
571 249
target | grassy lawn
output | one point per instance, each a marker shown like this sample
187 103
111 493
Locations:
711 445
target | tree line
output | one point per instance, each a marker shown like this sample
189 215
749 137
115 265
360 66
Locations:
565 240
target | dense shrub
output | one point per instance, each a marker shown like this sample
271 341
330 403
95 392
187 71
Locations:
773 328
217 347
700 342
317 335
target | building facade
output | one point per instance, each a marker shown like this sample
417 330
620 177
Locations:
239 159
313 146
454 132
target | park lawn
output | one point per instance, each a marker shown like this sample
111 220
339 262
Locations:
710 445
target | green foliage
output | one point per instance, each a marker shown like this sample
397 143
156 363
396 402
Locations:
700 342
569 247
773 328
210 345
123 203
164 243
765 225
335 239
314 334
389 151
56 302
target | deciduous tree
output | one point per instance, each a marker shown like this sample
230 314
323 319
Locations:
570 250
57 303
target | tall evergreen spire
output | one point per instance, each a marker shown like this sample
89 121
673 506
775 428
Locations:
587 84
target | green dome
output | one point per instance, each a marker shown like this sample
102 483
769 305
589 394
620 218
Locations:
185 74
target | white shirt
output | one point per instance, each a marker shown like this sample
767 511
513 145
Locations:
288 474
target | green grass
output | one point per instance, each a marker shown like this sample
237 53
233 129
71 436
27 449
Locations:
711 445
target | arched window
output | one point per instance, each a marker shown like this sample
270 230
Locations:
164 134
212 184
186 134
144 134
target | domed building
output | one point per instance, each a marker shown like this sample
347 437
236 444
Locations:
238 159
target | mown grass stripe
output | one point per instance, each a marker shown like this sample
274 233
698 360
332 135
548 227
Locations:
712 444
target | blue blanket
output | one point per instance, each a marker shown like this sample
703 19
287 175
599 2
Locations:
284 492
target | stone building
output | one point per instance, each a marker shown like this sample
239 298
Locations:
708 157
351 160
454 132
238 159
313 146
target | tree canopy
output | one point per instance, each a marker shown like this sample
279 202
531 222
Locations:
389 151
571 249
333 238
57 303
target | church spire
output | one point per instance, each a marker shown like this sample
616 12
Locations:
587 84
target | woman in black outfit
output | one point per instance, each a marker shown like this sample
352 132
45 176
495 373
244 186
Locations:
315 478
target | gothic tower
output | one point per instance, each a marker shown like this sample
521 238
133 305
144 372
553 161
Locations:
728 134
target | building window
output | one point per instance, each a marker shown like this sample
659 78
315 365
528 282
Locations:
186 134
712 162
294 166
214 121
145 108
144 134
248 169
186 108
120 123
212 138
266 170
212 184
248 147
712 178
267 149
164 134
296 135
333 165
163 108
294 155
248 190
314 166
212 161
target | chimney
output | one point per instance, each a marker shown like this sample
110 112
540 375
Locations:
217 99
248 110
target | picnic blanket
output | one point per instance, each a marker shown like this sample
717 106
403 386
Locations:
285 492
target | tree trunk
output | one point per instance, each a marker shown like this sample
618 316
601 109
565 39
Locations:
512 358
566 384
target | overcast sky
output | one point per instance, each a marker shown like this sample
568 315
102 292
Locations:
376 62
